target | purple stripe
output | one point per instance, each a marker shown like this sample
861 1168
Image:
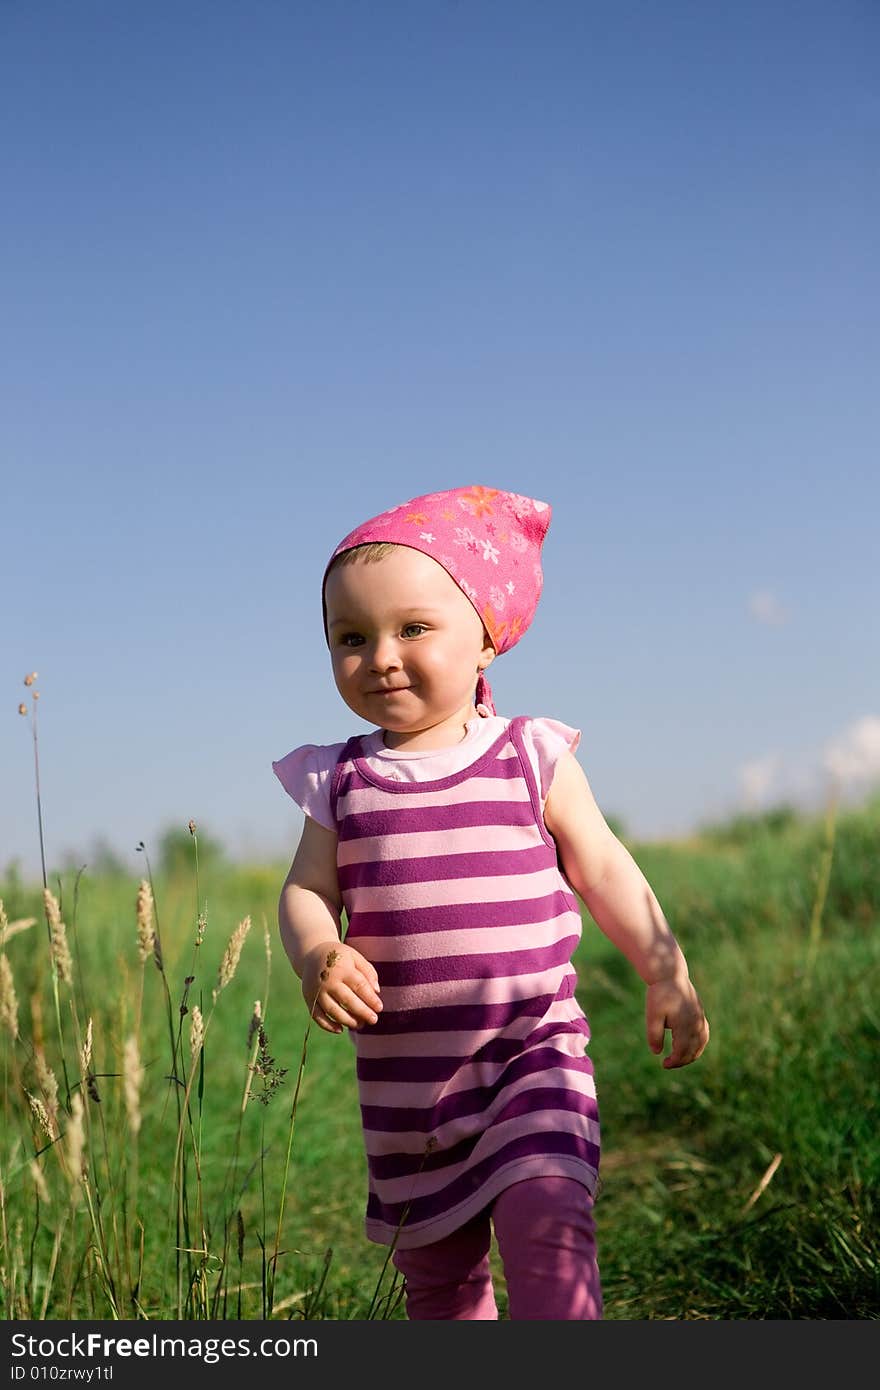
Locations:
434 1068
356 773
548 1144
435 867
396 1119
443 1068
490 764
454 1018
407 1068
415 820
540 1098
405 921
493 965
503 1049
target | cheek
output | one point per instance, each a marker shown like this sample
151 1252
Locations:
443 662
344 665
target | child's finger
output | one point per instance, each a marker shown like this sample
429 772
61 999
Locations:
655 1027
358 1008
366 991
677 1058
323 1020
336 1016
687 1048
367 968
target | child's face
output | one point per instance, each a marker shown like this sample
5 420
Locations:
406 645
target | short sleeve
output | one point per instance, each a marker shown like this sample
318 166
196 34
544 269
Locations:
545 741
305 774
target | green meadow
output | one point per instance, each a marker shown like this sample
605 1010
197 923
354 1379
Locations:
179 1142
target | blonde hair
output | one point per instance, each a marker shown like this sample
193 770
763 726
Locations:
369 551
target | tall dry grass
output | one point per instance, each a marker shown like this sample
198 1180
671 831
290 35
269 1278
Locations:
106 1062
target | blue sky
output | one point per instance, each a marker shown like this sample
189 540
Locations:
271 268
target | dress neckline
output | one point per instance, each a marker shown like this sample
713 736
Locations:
374 747
437 784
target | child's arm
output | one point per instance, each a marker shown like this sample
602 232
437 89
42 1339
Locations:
339 985
622 903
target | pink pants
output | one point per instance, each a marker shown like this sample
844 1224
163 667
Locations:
546 1238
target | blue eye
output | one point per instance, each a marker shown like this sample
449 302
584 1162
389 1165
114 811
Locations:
420 628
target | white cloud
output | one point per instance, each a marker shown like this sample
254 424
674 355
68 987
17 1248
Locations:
766 608
847 764
853 759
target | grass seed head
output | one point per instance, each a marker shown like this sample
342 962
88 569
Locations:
39 1182
256 1020
232 955
41 1115
146 927
197 1032
8 999
48 1085
10 929
266 1070
75 1141
133 1075
85 1053
60 951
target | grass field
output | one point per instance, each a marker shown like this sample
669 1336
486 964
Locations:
159 1162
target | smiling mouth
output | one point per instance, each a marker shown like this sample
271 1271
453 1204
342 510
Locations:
389 690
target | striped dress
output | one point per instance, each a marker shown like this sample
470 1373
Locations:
476 1074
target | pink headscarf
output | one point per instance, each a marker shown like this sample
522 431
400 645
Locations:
489 541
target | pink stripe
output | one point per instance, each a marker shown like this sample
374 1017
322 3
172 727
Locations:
476 970
512 1116
462 1205
378 1096
456 1074
559 1013
500 989
461 942
440 1071
430 843
364 797
417 820
466 1016
583 1131
383 1134
486 862
462 916
411 896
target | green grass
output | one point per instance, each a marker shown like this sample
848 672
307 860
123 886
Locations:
779 923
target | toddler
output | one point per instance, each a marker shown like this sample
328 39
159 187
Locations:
455 841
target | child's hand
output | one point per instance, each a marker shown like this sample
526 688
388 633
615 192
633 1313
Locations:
674 1003
340 986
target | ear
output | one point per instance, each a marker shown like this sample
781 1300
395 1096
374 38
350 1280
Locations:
487 655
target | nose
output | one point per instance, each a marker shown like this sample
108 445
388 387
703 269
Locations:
385 655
